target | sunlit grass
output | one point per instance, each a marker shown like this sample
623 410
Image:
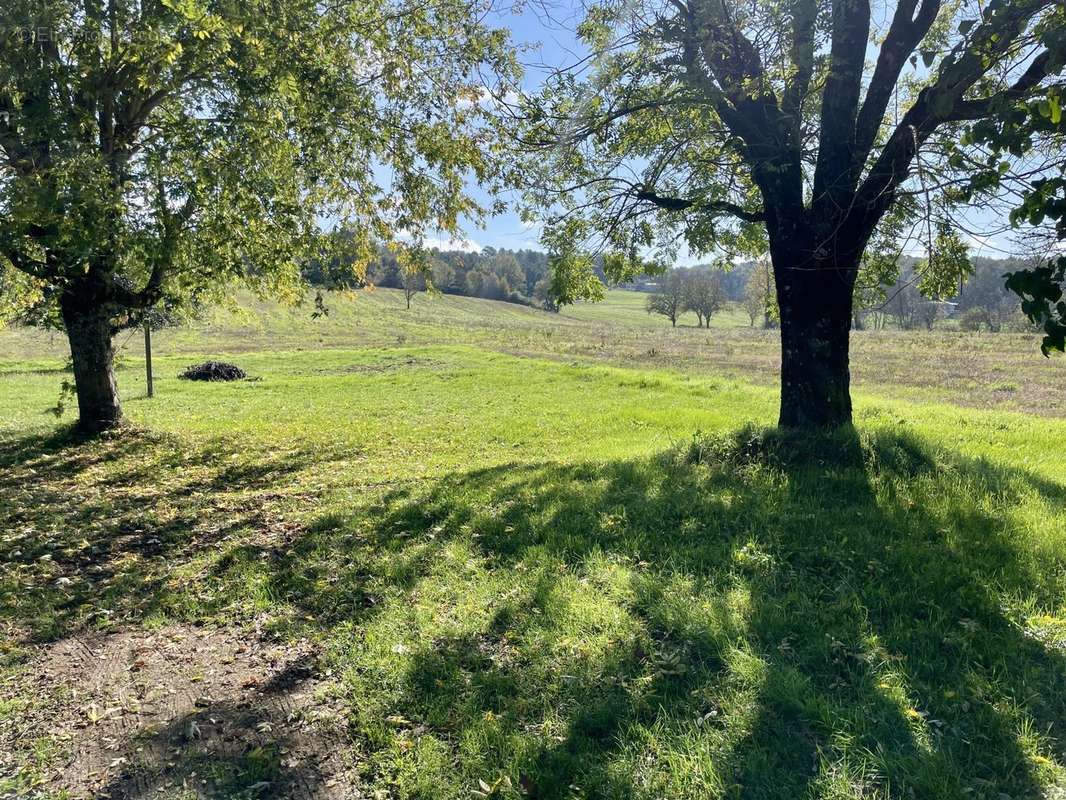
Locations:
1004 371
559 578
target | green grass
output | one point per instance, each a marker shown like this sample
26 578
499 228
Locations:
555 574
1003 371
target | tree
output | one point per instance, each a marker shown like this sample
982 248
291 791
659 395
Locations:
728 123
542 293
413 281
703 294
902 301
441 273
985 300
162 148
669 299
927 313
758 293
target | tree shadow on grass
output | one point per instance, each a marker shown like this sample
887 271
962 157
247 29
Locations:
98 531
756 615
118 534
734 619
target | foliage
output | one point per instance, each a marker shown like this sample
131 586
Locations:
1035 125
668 299
516 276
703 293
947 265
1041 291
162 149
573 277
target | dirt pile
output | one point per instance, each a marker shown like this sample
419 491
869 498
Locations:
213 371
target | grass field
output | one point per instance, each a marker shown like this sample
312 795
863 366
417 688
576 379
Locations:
1003 371
480 550
629 309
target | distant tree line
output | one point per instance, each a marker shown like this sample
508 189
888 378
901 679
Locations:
978 301
513 276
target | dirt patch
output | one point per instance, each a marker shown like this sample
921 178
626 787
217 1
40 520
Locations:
410 362
179 712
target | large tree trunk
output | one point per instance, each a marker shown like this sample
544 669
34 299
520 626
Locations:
89 331
816 305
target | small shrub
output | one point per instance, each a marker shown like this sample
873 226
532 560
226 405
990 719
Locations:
972 319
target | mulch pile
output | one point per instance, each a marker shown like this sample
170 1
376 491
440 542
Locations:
213 371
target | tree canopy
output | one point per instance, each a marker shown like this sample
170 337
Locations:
166 147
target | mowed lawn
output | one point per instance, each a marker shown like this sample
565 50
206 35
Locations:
518 571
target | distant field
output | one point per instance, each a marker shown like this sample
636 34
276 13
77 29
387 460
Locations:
629 308
979 370
479 550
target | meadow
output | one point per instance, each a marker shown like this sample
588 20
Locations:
480 550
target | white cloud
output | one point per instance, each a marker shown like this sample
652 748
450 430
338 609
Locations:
442 243
463 245
486 99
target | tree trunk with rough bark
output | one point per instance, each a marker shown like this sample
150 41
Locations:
92 352
816 309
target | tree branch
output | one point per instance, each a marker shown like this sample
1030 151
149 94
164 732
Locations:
904 35
680 204
804 17
32 267
732 57
840 101
938 103
736 80
722 62
983 107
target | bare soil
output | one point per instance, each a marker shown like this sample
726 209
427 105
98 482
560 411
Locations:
178 712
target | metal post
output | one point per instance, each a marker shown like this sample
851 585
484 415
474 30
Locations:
148 356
